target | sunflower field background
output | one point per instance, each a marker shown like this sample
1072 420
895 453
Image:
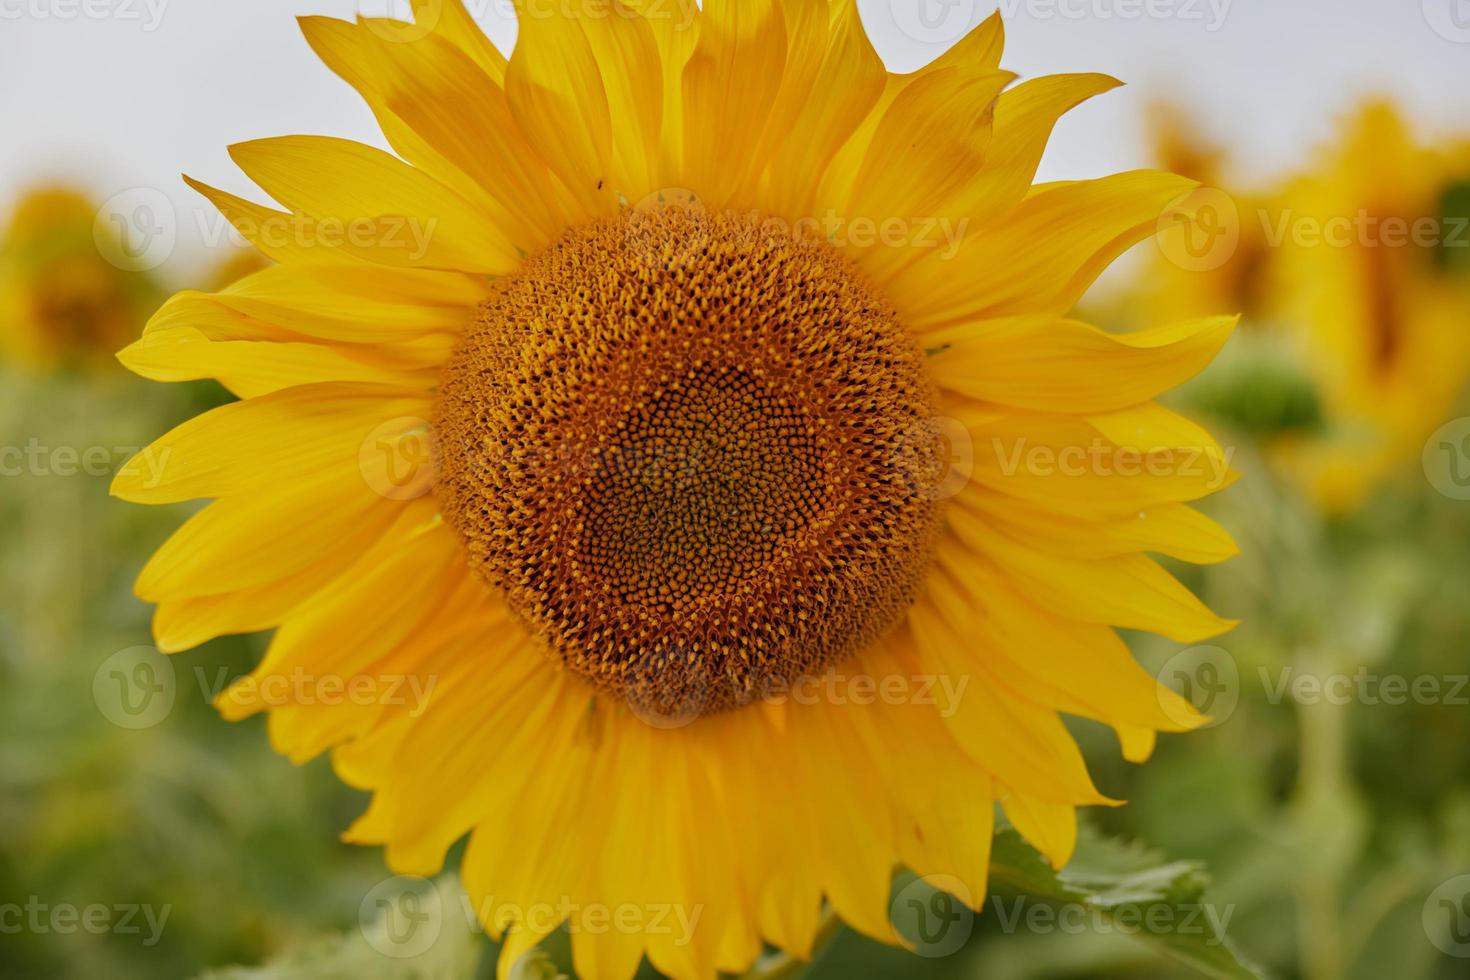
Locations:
1322 820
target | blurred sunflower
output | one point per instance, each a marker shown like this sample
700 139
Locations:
1212 250
601 415
1374 288
62 304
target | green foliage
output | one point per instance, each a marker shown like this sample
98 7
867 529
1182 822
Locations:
372 950
1131 889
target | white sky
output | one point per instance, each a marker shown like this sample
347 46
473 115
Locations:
121 94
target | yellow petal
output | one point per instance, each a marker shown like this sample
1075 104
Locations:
730 87
556 93
675 26
929 145
1070 367
249 368
980 49
1104 466
252 446
357 303
375 205
241 542
443 113
1017 741
1051 828
1087 669
279 235
1039 257
847 87
1024 117
1131 591
1176 530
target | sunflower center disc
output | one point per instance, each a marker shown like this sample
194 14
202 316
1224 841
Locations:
692 450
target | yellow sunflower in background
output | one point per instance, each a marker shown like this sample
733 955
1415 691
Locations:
61 302
689 410
1375 289
1212 252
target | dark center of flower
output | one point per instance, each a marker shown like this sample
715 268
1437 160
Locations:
692 450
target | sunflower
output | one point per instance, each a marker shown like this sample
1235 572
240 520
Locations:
1212 250
1373 290
689 412
61 302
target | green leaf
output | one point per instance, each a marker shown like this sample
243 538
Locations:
1112 886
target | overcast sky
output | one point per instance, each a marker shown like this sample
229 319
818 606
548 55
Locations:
120 94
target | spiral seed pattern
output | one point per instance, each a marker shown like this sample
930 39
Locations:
684 447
